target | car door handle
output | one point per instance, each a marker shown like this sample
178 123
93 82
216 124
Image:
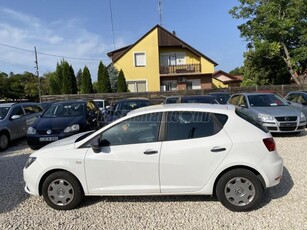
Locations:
217 149
148 152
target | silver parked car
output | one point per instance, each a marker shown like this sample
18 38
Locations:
15 118
298 99
271 110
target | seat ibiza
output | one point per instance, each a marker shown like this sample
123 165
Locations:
178 149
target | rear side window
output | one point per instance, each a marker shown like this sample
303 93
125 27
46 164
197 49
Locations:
251 121
188 125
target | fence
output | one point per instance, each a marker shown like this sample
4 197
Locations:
158 97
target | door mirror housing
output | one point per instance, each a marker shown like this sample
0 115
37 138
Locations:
14 117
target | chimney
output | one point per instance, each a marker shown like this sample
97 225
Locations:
174 33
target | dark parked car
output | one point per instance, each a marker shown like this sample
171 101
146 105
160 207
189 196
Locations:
221 97
298 99
64 119
122 107
15 118
270 110
207 99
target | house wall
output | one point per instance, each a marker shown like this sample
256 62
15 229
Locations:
218 84
150 72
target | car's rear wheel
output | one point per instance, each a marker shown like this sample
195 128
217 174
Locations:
62 191
4 141
239 190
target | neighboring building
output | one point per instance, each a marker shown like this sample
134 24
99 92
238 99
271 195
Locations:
160 61
221 79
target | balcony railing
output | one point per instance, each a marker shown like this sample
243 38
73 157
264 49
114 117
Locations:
180 69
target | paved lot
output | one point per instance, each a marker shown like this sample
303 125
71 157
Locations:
284 206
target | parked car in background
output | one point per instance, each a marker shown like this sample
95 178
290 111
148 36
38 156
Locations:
221 97
122 107
64 119
101 103
176 149
271 110
208 99
46 104
15 118
298 99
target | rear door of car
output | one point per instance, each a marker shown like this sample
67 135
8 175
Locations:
193 147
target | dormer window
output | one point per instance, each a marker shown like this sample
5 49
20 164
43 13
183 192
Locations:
139 59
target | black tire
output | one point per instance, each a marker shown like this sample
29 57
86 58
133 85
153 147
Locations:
62 191
239 190
4 141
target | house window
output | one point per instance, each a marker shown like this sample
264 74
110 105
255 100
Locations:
136 86
193 84
140 59
169 86
169 59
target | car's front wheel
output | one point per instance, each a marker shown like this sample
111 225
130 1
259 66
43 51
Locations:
239 190
62 191
4 141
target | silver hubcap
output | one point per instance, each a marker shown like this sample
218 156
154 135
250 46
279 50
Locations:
240 191
60 192
3 141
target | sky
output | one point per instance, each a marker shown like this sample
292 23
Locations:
81 31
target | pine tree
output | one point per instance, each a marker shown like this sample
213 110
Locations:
73 80
79 80
121 83
87 86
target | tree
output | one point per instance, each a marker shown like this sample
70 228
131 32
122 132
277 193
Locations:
3 85
113 75
121 83
73 80
79 80
86 86
236 71
103 84
277 26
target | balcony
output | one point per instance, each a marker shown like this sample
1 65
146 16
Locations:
180 69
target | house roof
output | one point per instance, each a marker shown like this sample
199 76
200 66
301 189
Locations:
225 77
165 39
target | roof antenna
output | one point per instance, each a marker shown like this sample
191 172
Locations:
160 12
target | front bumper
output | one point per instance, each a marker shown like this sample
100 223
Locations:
284 127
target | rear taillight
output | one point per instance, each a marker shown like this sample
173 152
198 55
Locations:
269 144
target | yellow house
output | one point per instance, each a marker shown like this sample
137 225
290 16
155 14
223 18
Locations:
160 61
221 79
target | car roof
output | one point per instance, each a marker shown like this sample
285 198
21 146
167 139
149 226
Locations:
133 99
182 107
10 104
254 93
218 93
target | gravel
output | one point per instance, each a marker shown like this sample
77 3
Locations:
283 207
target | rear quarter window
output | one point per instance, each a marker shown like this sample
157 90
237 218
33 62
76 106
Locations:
251 121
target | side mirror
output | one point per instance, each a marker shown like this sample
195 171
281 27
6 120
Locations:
14 117
95 145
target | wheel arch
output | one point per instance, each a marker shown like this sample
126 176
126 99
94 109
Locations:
43 178
7 132
258 175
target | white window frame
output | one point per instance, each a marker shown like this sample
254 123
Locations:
179 58
135 60
138 81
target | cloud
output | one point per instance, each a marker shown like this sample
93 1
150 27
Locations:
59 38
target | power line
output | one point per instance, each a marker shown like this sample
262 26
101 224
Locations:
53 55
111 13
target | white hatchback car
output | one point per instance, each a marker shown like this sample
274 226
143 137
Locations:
178 149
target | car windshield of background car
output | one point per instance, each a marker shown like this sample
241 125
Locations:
266 100
65 110
3 112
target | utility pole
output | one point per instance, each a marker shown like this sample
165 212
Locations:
37 74
160 12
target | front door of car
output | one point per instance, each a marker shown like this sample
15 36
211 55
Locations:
195 144
128 160
17 125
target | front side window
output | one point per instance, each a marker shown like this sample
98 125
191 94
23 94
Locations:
3 112
136 130
234 100
17 111
188 125
140 59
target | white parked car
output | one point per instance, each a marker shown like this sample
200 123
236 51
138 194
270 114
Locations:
178 149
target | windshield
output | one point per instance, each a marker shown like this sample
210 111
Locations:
3 112
131 105
209 100
266 100
71 109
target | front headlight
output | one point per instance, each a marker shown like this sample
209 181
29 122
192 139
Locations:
303 117
72 128
265 117
31 130
30 161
